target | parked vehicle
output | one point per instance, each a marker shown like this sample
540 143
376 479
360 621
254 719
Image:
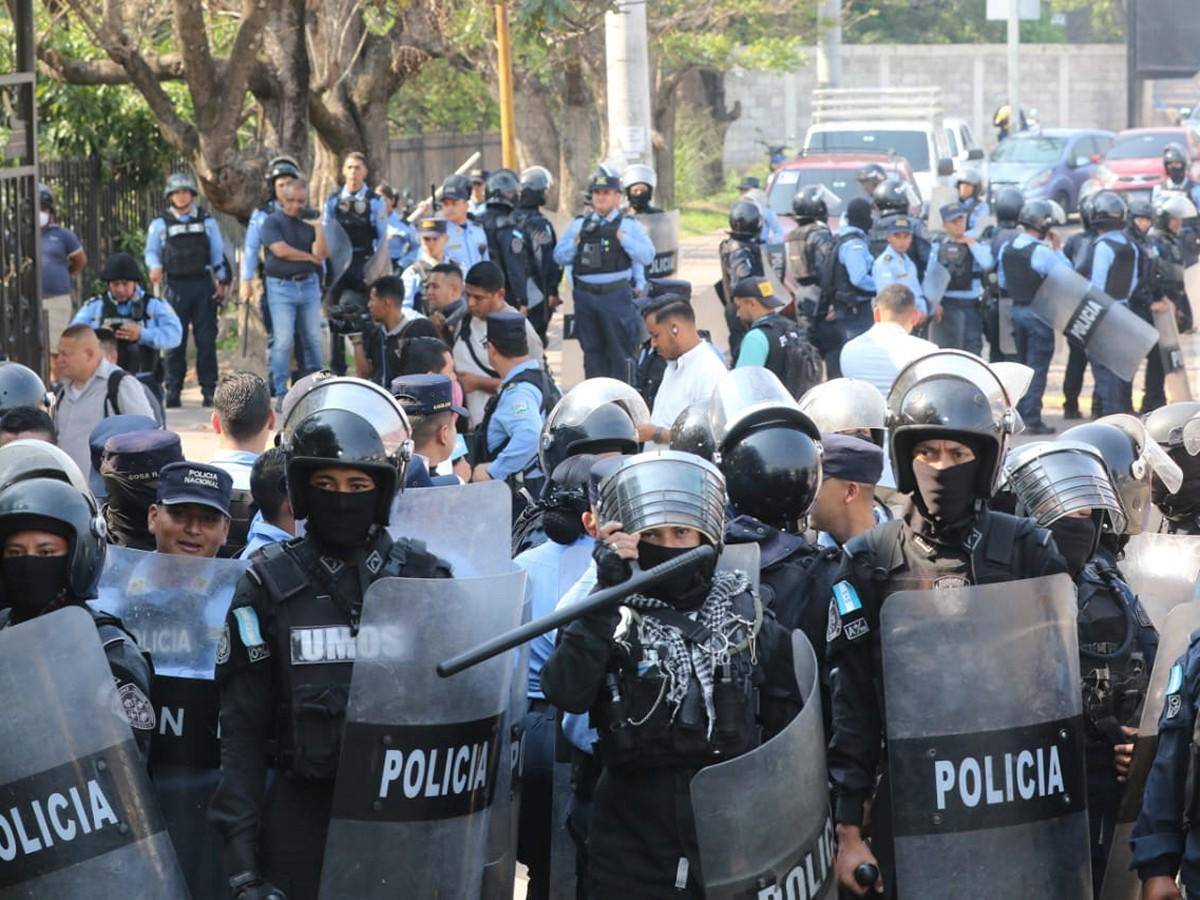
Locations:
1049 164
1133 164
837 171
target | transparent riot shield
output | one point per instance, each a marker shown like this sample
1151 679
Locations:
467 525
985 741
176 606
934 285
1112 334
774 263
806 296
80 820
379 264
1119 882
1170 350
663 229
1191 284
755 839
1008 342
421 755
1163 570
341 253
743 557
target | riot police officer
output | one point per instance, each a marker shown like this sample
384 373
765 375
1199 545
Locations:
184 254
972 198
741 257
639 182
950 421
1174 246
1167 426
144 325
1158 283
21 386
53 553
870 177
507 243
958 321
892 198
847 287
544 273
1178 180
1075 248
346 446
809 247
1065 486
665 700
1007 207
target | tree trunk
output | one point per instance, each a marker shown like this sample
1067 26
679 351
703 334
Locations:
707 88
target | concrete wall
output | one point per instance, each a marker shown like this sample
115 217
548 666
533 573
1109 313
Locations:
1069 85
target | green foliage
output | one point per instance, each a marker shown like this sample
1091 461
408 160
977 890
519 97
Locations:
697 146
443 97
965 22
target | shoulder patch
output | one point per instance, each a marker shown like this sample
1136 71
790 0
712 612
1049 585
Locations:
834 628
223 646
1175 680
137 707
251 634
846 598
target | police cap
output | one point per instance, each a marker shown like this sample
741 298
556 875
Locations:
851 458
479 176
100 436
749 183
432 225
140 455
952 211
196 483
456 187
426 395
604 179
506 333
900 225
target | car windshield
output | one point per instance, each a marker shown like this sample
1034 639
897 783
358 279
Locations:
1029 150
1147 145
912 145
842 182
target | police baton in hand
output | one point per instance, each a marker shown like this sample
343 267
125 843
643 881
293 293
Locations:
601 599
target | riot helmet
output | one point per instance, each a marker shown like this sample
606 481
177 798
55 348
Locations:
950 395
352 423
298 390
746 398
1109 210
745 219
536 181
1175 161
599 415
847 406
1053 479
1133 458
1087 203
812 203
691 433
666 489
31 458
503 188
1176 428
1007 207
180 181
894 196
50 504
1174 205
20 386
1140 208
972 176
639 182
1038 216
871 172
282 167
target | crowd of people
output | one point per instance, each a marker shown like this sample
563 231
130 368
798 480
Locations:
725 556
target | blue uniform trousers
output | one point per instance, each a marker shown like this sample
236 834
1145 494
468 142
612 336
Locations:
1035 348
192 300
606 323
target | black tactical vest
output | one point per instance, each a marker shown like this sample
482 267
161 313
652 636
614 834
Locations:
739 259
778 331
599 251
185 245
1119 282
354 215
550 396
957 259
845 292
132 356
1020 278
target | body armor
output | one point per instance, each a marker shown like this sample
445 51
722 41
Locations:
1021 280
185 245
1121 273
599 251
956 258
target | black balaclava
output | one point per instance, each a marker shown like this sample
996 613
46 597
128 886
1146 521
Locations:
1076 539
340 522
1184 505
946 497
686 590
125 513
33 585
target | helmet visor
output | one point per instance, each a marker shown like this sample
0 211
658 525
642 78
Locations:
364 399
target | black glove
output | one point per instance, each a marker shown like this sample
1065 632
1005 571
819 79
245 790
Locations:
610 567
249 886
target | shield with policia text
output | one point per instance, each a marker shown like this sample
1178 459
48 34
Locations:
1119 882
663 231
422 755
78 820
1163 570
1111 333
937 279
762 819
176 606
985 741
1170 350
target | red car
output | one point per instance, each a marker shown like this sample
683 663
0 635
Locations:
1133 165
837 171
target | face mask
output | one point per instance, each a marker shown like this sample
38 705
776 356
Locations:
338 521
32 584
945 496
44 219
125 513
683 590
1076 541
639 202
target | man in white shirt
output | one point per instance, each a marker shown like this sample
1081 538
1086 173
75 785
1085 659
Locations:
694 366
879 353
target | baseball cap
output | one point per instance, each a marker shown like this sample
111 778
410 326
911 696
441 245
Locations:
760 289
426 395
189 482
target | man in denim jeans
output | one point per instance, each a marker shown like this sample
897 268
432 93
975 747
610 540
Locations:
293 290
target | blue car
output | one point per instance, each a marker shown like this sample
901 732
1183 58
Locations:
1048 164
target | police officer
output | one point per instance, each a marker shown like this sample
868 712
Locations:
544 273
1112 266
1178 180
280 171
639 182
1158 283
144 325
1023 264
602 247
973 199
21 386
507 243
896 198
810 246
1007 207
53 553
770 232
467 242
1076 251
870 177
479 179
403 243
951 419
666 701
741 257
1065 486
345 442
958 320
893 265
1171 214
847 287
434 241
363 216
129 467
184 254
512 420
429 402
1181 510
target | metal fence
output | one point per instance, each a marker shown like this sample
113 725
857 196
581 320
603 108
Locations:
415 163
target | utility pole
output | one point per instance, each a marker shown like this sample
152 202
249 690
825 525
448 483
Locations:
508 124
1014 66
627 59
829 44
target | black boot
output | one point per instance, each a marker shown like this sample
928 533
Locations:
1071 410
173 401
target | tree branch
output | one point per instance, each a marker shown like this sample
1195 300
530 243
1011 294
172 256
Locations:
167 67
243 59
191 35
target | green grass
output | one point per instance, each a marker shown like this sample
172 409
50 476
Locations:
702 217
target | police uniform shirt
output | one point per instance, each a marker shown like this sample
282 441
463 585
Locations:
518 418
855 256
161 331
467 244
156 237
403 242
982 258
474 359
978 212
891 267
1103 257
252 245
375 208
634 241
1043 260
687 380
